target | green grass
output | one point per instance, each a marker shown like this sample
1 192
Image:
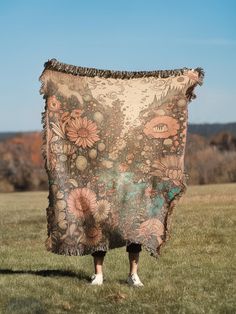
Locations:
195 273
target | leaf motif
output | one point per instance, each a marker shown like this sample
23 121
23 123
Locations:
72 181
57 130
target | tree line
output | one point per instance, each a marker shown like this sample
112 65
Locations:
208 159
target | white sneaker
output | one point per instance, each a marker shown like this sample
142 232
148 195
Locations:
133 280
97 279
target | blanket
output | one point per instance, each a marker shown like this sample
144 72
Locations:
113 143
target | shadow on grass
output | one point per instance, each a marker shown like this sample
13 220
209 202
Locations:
81 275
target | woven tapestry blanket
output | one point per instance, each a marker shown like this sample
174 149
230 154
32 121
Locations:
114 148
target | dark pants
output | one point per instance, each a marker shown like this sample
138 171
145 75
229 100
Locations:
132 248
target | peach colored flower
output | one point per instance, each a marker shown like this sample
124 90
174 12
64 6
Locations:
151 227
81 202
82 132
161 127
169 168
53 104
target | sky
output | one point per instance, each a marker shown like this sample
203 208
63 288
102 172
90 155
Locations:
132 35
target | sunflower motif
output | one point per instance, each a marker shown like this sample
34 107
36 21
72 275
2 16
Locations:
82 132
103 208
161 127
81 202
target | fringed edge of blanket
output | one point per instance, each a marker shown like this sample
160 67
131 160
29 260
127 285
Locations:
45 154
55 65
76 251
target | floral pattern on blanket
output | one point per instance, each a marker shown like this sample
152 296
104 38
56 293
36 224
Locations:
114 153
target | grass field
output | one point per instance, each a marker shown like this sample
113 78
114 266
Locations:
195 273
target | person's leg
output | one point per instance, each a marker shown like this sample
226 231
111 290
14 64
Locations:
98 258
133 249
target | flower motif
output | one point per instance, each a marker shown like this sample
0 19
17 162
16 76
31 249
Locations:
151 227
161 127
103 208
169 168
81 202
82 132
53 104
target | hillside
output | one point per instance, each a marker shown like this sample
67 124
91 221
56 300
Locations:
204 129
209 129
210 157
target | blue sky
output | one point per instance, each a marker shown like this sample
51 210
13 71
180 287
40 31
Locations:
118 35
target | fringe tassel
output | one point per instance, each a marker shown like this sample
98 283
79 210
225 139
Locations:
72 251
55 65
